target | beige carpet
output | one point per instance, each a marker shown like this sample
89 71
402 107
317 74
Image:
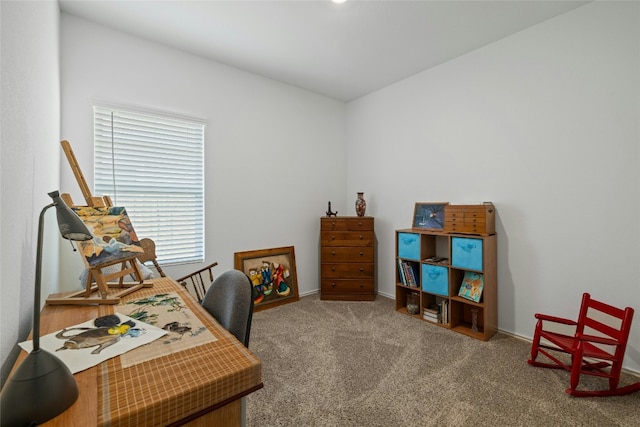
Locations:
329 363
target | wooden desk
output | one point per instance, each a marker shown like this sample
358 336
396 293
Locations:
200 386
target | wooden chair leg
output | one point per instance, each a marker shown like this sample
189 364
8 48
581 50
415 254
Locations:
576 365
535 343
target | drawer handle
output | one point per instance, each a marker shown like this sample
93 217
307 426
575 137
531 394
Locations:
361 269
333 285
361 253
333 269
360 224
361 285
333 237
361 237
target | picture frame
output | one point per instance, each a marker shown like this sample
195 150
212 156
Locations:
272 273
429 215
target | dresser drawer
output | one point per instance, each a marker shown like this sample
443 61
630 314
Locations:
346 224
473 227
343 286
346 238
350 271
348 254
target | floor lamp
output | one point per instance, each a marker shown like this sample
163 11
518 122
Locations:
43 386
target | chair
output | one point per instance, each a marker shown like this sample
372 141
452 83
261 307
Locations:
229 300
595 348
149 247
199 280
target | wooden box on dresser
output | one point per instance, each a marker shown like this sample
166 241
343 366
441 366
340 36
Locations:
430 268
347 258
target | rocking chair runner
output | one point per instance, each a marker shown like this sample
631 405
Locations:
599 355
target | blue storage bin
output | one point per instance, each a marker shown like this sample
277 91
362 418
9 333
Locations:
466 253
435 279
409 246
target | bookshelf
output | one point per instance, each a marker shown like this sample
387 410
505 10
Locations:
431 266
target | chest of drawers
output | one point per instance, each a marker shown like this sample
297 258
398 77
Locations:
347 258
472 219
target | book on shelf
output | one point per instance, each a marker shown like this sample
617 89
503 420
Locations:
431 319
408 274
444 311
432 314
415 274
471 287
403 279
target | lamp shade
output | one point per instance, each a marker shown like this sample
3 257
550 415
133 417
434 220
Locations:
69 223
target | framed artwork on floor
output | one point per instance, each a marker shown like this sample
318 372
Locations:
272 273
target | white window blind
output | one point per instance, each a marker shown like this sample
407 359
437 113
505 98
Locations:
153 166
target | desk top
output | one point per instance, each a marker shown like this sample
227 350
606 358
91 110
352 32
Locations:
163 390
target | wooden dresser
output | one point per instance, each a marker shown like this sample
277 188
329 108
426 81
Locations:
347 258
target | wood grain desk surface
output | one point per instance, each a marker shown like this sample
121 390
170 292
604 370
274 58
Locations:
162 391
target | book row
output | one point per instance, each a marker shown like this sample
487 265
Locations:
437 313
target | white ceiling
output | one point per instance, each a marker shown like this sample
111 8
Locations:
340 50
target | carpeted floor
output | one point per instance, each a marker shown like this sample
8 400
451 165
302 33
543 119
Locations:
332 363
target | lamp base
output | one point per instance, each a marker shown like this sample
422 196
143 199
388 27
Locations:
40 389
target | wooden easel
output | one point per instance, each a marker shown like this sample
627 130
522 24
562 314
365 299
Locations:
99 293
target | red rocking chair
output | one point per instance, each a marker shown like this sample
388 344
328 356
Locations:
595 348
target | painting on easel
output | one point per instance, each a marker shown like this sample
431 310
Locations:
114 238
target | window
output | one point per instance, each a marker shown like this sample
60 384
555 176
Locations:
153 166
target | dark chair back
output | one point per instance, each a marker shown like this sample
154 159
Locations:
229 299
199 281
149 248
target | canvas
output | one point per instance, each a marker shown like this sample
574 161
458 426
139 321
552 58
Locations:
114 237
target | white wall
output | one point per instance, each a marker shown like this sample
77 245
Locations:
29 162
274 153
544 124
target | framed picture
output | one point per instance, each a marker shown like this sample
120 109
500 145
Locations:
429 216
272 273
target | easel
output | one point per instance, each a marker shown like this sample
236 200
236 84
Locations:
102 286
